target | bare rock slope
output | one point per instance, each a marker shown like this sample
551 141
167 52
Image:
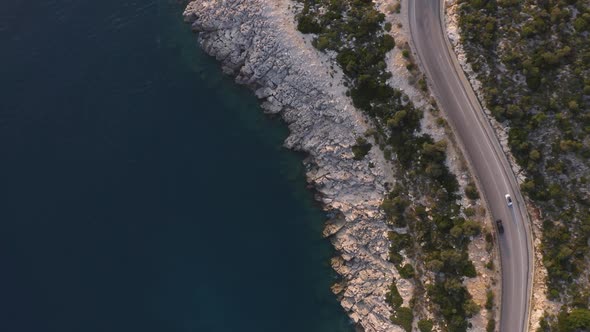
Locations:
257 42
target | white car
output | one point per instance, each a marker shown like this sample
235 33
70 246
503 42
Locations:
508 199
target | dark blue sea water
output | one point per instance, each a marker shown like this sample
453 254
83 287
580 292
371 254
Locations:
140 190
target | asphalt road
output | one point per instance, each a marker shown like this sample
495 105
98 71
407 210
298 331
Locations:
482 149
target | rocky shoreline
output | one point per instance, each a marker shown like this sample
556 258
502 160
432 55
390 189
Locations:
257 42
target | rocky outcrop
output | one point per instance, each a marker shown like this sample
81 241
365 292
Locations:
256 41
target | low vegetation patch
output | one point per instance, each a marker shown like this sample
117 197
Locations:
404 318
425 325
361 148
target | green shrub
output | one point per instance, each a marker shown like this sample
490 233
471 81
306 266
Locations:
361 148
491 326
404 318
489 299
321 43
451 295
469 212
307 24
393 297
425 325
394 208
407 271
576 320
422 84
387 44
470 308
399 242
471 191
469 270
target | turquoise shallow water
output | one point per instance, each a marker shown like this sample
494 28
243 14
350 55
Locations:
141 190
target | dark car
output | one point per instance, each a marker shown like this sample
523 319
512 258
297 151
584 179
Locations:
500 227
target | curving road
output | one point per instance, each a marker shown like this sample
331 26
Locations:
484 154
